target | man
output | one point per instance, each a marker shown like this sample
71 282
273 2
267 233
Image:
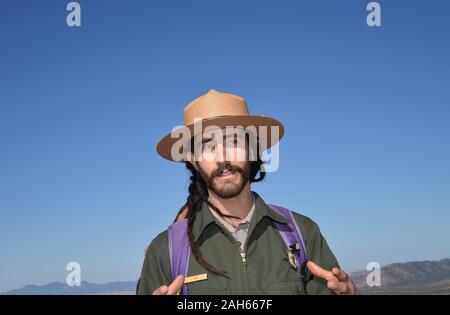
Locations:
233 234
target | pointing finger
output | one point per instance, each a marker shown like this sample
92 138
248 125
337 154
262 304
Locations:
162 290
176 285
319 271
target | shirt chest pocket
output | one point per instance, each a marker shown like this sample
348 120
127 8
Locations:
280 277
195 289
208 286
285 287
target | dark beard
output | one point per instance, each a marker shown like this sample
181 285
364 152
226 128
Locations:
229 192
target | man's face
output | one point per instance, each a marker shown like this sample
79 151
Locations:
224 164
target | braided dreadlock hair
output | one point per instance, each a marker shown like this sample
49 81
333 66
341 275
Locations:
198 193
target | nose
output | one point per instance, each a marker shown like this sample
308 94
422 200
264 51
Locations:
221 153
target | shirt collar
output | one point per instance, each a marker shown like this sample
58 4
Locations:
261 210
247 218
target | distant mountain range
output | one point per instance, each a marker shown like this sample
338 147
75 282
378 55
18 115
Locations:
59 288
424 277
420 277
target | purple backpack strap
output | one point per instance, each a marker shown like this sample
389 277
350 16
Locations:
179 251
292 236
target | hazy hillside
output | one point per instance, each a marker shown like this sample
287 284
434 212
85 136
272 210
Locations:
121 287
425 277
421 277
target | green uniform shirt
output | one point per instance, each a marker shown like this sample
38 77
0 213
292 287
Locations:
265 269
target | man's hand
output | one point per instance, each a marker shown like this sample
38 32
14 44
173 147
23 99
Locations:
172 289
337 280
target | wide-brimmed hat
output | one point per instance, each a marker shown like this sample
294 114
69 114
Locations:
222 110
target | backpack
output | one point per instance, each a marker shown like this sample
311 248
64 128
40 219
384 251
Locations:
179 247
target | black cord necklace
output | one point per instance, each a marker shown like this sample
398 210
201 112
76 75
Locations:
220 212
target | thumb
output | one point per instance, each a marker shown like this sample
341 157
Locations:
176 285
162 290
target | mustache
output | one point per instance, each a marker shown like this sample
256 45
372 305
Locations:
227 167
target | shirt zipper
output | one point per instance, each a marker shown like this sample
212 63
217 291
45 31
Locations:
233 239
243 256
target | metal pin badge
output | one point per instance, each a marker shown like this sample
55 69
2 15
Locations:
292 260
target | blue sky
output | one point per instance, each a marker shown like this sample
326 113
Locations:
366 111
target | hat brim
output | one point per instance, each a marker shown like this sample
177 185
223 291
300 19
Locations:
164 147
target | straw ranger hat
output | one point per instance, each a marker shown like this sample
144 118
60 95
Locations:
222 110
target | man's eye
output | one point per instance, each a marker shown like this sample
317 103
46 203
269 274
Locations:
231 141
209 146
